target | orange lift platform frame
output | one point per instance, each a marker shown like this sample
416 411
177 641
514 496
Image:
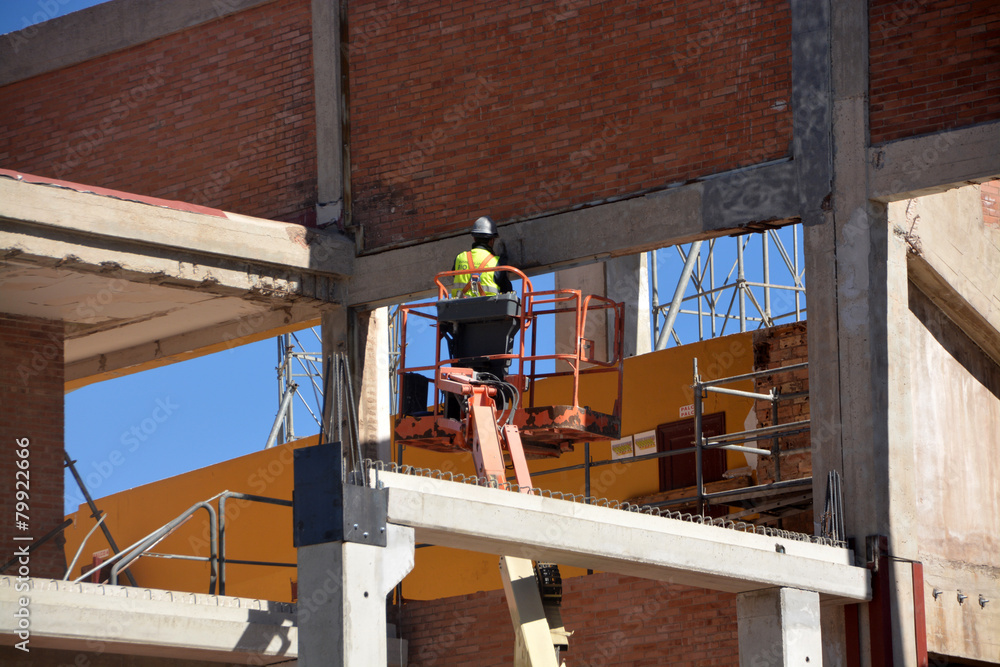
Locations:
546 430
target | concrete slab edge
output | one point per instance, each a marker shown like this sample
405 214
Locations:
96 31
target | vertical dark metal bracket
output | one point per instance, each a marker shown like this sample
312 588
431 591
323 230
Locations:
326 508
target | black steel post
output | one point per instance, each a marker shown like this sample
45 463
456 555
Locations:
96 513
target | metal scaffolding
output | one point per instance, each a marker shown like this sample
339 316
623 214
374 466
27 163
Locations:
707 297
296 367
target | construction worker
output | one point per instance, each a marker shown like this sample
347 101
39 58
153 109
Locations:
480 256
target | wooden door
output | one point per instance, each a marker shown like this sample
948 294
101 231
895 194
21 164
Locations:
677 472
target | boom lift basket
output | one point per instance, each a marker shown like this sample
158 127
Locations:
490 334
477 327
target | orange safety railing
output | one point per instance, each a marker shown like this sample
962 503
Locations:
534 304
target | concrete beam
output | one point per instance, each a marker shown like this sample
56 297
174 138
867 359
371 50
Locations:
99 30
364 336
94 618
90 366
143 283
926 165
487 520
954 258
727 203
110 218
533 645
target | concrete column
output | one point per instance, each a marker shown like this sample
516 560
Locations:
374 397
626 279
589 279
871 302
364 335
622 279
858 337
778 627
342 591
864 430
330 182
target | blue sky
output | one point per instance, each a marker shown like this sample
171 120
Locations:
18 14
162 422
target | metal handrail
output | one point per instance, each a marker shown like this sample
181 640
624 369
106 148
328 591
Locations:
160 534
222 533
217 531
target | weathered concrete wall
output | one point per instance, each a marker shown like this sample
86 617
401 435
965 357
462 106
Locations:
956 437
526 108
955 259
933 66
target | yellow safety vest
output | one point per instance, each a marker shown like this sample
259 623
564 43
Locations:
476 284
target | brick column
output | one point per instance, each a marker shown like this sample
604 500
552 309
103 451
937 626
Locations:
773 348
990 192
31 411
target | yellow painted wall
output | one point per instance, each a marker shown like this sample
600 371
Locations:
254 531
656 387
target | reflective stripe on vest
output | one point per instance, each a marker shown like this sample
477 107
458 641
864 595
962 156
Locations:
475 284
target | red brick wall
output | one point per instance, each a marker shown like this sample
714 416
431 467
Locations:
616 620
520 108
221 114
784 345
31 409
933 65
990 193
